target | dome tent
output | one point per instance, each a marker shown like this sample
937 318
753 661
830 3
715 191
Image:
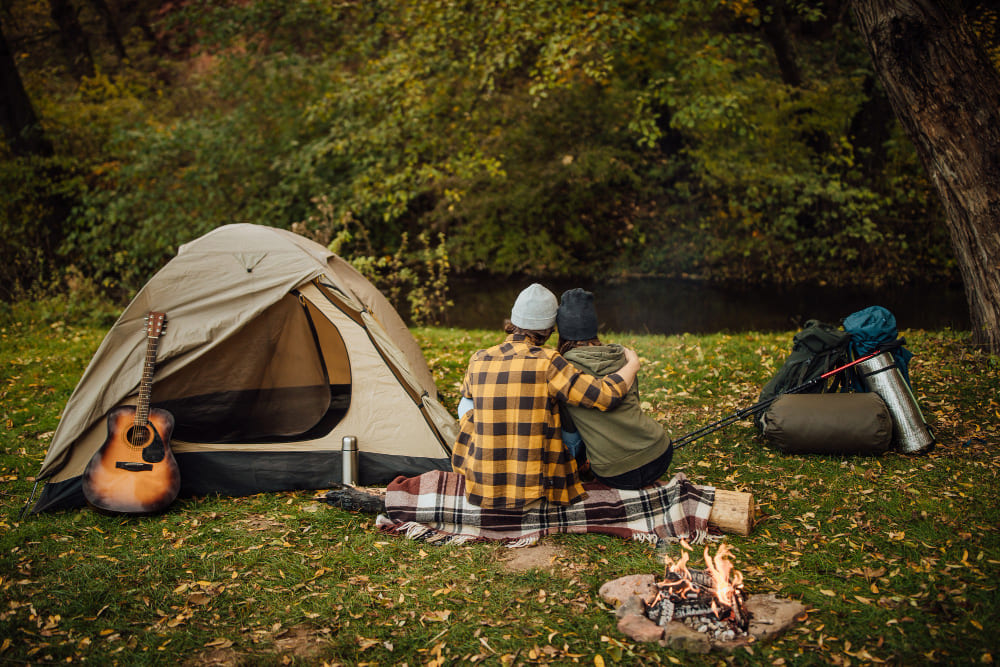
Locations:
274 349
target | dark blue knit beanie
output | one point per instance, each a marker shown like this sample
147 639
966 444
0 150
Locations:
577 318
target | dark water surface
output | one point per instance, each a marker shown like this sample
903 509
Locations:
668 306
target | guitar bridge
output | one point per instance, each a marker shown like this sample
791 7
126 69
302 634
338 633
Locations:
133 466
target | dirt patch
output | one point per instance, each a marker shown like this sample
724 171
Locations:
302 642
299 642
546 557
258 522
217 657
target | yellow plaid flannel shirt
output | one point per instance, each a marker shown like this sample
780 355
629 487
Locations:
510 445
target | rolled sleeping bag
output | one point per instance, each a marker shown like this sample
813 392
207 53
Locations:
838 424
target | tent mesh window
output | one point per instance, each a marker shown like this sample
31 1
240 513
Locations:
285 377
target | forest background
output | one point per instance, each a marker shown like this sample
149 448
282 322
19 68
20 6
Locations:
728 140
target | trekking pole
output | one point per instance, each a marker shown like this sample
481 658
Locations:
762 405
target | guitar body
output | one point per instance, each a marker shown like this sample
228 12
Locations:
134 471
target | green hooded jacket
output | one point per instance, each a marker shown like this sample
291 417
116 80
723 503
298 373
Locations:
622 439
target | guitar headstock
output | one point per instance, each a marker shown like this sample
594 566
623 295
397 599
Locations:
156 323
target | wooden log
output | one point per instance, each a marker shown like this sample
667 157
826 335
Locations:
733 512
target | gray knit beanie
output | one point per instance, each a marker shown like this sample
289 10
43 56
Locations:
577 318
535 309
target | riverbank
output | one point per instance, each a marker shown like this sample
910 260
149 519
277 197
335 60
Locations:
675 306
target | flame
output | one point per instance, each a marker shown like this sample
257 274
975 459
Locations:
683 584
678 567
726 579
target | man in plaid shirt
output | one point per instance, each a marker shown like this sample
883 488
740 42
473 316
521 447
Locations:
510 447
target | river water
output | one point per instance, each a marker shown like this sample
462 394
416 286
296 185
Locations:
669 306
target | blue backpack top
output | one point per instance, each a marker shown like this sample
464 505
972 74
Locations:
874 328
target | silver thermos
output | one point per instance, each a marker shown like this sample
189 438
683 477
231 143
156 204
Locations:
882 376
349 461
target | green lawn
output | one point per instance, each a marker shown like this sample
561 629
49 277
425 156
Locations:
896 557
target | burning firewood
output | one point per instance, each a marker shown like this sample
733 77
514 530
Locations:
709 599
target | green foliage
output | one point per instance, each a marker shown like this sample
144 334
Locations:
414 281
428 297
38 194
190 175
543 137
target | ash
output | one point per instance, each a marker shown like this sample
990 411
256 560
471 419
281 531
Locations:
718 630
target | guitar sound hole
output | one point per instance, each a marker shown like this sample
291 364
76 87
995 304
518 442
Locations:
138 436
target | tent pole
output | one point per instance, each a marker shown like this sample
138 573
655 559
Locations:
31 499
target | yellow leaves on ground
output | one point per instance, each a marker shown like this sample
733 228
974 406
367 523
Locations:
437 616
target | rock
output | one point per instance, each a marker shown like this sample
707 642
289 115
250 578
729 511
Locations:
619 590
639 628
772 615
679 636
634 606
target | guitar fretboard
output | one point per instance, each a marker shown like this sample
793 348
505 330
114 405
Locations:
146 384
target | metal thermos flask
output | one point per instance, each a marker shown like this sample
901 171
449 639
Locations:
882 376
349 460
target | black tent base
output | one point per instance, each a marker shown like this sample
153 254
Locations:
247 473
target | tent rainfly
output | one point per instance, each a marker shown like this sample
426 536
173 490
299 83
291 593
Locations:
274 350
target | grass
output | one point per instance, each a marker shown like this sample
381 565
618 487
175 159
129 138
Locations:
896 557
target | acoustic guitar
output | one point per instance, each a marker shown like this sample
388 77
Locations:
134 471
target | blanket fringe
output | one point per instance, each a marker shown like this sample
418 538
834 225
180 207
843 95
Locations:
522 542
418 532
699 537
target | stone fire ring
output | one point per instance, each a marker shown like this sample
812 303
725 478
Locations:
770 617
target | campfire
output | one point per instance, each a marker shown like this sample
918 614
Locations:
709 601
698 610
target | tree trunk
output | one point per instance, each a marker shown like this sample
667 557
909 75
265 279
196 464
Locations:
17 116
111 30
871 128
944 90
775 30
72 39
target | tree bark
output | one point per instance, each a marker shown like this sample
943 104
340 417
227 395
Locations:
871 128
111 30
775 30
17 116
944 90
72 39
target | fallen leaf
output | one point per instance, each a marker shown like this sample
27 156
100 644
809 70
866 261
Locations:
220 642
437 616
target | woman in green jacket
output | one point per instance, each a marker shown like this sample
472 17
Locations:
626 448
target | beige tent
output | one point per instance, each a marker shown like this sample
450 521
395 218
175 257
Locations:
274 349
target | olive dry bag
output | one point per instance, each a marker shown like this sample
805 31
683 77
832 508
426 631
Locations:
838 424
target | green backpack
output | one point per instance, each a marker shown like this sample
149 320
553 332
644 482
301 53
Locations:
817 349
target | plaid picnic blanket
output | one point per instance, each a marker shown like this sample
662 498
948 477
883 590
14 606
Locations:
432 507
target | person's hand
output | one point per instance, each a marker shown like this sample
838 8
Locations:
631 367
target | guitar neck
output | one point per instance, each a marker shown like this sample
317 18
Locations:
146 384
